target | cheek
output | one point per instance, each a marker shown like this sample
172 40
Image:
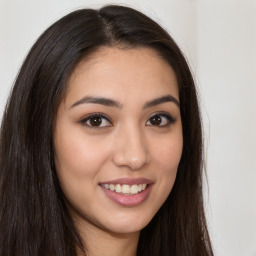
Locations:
77 152
78 160
168 153
167 158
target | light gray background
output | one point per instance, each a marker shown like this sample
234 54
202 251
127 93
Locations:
219 40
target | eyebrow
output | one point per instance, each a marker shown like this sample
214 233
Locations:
163 99
98 100
112 103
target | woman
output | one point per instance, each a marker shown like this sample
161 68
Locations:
101 144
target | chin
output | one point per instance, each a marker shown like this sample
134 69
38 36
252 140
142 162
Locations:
124 224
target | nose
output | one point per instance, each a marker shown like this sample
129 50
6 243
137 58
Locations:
131 149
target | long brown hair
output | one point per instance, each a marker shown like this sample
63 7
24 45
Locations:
33 215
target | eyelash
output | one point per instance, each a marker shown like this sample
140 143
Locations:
170 120
93 115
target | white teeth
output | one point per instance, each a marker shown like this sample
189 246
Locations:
125 189
118 188
134 189
106 186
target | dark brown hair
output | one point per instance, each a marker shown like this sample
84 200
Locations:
33 215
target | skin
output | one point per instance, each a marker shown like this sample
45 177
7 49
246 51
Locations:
127 145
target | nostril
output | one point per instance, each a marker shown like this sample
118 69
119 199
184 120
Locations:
134 162
131 149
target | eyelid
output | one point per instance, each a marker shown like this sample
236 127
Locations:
168 116
97 114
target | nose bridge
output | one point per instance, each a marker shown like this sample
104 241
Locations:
131 147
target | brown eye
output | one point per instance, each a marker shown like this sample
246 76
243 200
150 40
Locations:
155 120
160 120
96 121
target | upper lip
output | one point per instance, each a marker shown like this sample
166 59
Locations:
128 181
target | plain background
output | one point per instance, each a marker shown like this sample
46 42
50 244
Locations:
219 40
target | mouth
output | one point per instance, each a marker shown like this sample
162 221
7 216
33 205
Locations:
127 192
126 189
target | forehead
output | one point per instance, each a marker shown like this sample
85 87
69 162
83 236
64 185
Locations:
121 73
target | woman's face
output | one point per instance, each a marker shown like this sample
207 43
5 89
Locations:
118 139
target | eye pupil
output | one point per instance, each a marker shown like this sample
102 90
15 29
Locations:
95 121
156 120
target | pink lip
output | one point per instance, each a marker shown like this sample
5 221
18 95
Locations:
128 200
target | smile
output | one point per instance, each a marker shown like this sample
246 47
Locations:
125 189
127 192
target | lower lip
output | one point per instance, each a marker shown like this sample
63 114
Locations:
128 200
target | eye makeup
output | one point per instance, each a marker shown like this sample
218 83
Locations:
100 120
96 120
161 120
